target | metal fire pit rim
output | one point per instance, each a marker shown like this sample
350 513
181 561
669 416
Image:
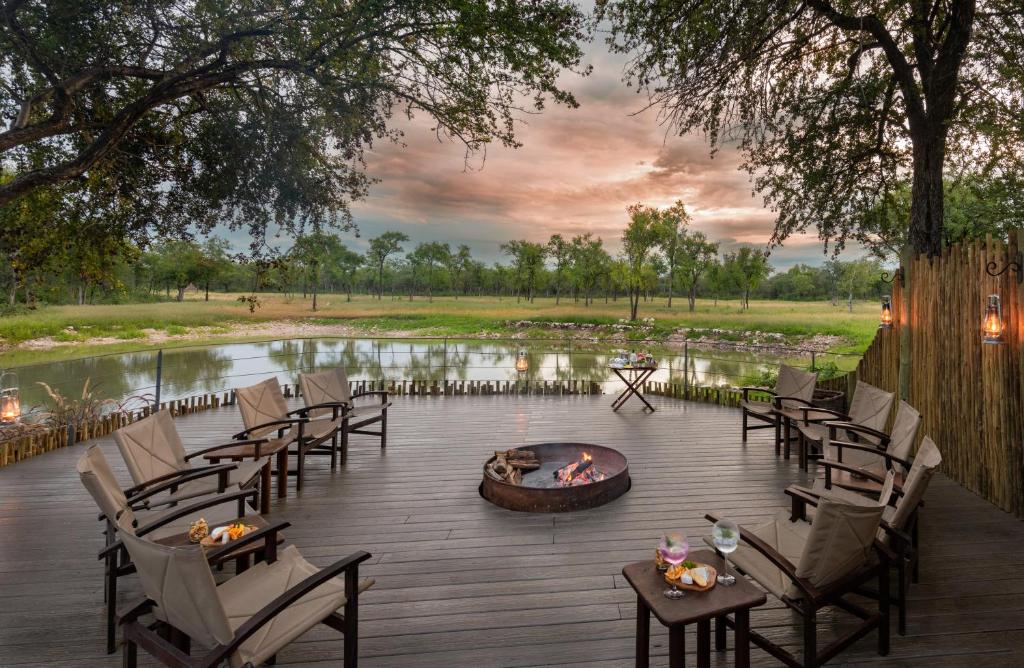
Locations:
559 499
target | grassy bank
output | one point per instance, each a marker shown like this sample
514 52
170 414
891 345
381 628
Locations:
64 331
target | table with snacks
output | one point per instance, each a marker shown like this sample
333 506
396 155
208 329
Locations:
705 600
633 369
223 534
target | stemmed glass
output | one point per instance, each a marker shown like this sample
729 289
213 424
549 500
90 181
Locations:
726 537
674 549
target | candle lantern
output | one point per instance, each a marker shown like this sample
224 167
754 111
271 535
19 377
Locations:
992 326
522 362
10 398
886 322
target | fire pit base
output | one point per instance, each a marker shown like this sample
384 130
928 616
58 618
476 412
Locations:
538 492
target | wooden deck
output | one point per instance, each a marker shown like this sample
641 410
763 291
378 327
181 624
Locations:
463 583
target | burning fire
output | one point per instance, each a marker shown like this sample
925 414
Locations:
581 472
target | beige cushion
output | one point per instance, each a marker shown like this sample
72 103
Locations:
245 595
261 403
151 447
795 382
870 407
926 463
904 431
324 387
100 482
241 476
786 537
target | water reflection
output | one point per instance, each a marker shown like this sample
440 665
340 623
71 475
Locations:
191 371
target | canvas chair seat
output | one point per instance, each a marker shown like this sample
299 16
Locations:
819 434
152 447
363 409
840 543
760 407
242 599
849 496
321 427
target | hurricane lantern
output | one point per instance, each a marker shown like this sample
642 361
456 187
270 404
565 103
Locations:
992 327
522 362
886 322
10 398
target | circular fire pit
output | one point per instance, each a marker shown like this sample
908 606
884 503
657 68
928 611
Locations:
570 476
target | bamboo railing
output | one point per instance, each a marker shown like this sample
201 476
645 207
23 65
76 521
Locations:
969 393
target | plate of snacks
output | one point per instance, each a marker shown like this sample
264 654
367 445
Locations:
691 575
227 533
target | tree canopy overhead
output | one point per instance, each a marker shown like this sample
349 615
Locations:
254 111
835 103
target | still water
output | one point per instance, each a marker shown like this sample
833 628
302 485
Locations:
198 370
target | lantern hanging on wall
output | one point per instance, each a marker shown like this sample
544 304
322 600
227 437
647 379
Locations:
886 322
522 362
10 398
992 327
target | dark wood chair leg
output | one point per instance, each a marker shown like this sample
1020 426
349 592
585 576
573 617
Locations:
110 593
901 593
742 639
720 631
129 655
744 427
334 451
300 465
351 618
643 634
778 435
788 431
282 473
384 429
810 639
883 610
264 491
344 442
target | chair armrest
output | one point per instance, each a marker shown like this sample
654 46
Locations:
779 561
778 399
272 423
753 388
279 604
327 404
902 538
829 465
224 446
801 497
817 409
266 534
194 474
858 428
135 489
871 450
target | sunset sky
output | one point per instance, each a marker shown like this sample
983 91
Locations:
577 171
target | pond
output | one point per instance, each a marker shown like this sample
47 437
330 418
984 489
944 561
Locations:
189 371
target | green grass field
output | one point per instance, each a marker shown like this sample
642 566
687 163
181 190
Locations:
82 330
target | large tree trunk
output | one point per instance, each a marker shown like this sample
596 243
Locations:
181 293
380 281
926 207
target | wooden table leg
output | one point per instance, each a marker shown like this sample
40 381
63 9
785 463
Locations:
282 473
676 646
643 634
720 629
742 638
789 435
704 643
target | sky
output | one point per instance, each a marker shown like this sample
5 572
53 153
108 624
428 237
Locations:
577 171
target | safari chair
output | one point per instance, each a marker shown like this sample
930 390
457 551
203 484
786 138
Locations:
154 453
811 566
892 453
869 410
99 480
794 388
325 391
899 526
246 620
265 415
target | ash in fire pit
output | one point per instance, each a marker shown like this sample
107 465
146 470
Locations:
553 477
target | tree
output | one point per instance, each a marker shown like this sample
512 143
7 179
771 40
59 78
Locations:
672 224
460 265
747 267
858 276
180 263
260 112
560 252
431 255
213 262
696 256
381 248
639 240
880 88
528 262
344 264
313 252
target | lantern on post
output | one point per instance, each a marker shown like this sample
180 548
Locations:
10 398
886 322
522 362
992 325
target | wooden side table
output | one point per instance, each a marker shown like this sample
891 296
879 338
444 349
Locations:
241 556
699 607
634 378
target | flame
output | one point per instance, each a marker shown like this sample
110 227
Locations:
587 457
993 328
10 409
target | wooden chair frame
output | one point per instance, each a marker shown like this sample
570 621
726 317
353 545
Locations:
773 419
173 648
813 599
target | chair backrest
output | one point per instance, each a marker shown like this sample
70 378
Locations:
871 406
261 403
151 447
99 480
795 382
926 463
179 582
904 431
839 541
323 387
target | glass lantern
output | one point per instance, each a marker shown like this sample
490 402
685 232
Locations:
886 321
522 362
10 398
992 326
